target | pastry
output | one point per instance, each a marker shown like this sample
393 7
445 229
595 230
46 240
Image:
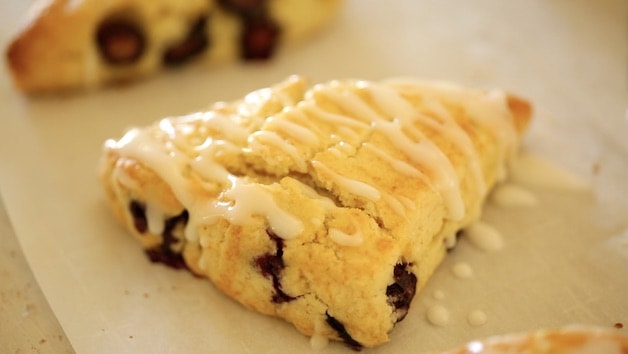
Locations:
329 207
66 45
581 340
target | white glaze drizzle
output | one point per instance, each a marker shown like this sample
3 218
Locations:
534 170
122 177
155 219
296 131
326 203
395 203
392 102
353 186
176 147
207 167
461 139
450 241
398 165
333 118
426 154
356 107
462 270
438 294
484 236
344 239
254 102
252 199
318 342
407 202
140 145
476 318
261 138
438 315
488 108
508 194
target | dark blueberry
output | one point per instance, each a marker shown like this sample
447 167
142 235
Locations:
244 7
271 265
164 252
259 39
195 43
170 259
401 292
138 212
260 33
120 41
342 332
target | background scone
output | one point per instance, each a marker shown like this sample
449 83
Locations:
569 340
80 44
328 207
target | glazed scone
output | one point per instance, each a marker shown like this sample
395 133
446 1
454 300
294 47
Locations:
569 340
67 45
329 207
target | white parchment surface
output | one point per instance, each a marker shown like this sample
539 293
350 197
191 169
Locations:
565 260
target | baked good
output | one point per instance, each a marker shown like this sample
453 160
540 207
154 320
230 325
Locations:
329 207
87 43
569 340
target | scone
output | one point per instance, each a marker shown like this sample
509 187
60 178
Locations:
570 340
329 207
68 45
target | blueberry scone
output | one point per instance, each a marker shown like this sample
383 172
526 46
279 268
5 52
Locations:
329 206
86 43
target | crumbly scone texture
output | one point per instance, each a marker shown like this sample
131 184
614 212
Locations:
329 207
71 45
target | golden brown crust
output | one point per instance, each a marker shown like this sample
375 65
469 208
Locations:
31 47
522 110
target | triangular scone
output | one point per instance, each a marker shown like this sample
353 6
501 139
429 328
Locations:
72 44
328 207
